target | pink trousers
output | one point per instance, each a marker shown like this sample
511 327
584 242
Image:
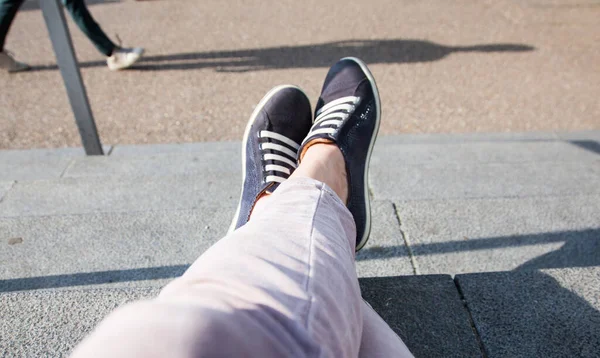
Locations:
283 285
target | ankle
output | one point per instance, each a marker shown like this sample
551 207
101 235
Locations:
325 162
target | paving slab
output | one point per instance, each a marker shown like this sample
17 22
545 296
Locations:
49 323
214 163
231 147
477 152
463 236
426 312
225 157
472 137
36 164
124 248
592 135
396 180
5 187
130 249
547 313
118 194
385 253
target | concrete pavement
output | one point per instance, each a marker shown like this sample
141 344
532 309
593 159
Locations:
460 66
513 217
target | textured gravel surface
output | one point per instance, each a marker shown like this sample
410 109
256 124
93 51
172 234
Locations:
459 66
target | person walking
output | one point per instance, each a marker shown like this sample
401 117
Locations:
283 282
117 58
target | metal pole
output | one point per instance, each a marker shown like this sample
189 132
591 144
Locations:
69 69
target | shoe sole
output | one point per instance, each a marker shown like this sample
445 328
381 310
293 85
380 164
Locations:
255 113
119 68
363 241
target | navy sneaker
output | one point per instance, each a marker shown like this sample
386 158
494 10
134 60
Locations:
348 114
273 135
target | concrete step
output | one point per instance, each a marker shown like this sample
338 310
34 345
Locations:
463 203
549 313
426 311
185 176
526 204
502 234
35 164
543 313
135 248
67 196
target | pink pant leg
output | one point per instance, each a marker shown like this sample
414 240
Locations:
283 285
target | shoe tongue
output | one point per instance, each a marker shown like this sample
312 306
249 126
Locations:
342 80
284 124
288 113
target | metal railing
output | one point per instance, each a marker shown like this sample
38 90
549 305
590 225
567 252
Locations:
67 63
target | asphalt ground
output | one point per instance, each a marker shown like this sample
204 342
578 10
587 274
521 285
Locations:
441 66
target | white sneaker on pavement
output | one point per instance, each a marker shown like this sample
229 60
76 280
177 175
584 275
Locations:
11 65
124 57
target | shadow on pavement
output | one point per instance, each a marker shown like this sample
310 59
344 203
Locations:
530 314
35 4
425 311
590 145
307 56
581 248
92 278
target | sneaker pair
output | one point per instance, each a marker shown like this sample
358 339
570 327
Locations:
120 59
281 128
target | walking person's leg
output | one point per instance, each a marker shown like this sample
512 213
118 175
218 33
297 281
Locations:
86 23
8 11
117 58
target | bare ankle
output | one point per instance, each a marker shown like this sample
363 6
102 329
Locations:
325 162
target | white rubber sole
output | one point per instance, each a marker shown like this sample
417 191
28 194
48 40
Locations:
126 65
363 240
255 113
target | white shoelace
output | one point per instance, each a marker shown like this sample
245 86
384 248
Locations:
330 116
279 153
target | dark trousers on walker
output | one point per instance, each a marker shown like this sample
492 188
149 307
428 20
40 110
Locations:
79 13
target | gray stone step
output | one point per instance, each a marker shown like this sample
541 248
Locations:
451 204
462 236
184 191
118 194
187 175
208 160
434 167
35 164
225 157
40 164
549 313
546 313
136 150
410 154
396 181
426 311
4 188
135 248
